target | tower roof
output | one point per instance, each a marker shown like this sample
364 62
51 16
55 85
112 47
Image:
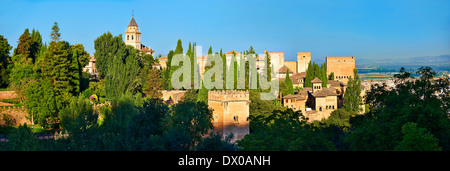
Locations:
316 80
132 22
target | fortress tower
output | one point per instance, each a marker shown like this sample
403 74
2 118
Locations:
303 59
133 35
230 112
341 66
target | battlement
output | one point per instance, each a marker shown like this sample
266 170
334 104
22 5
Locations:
340 58
304 53
228 95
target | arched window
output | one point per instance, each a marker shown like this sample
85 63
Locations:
132 37
320 108
128 37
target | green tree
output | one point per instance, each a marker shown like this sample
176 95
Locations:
215 142
153 84
426 72
22 139
323 74
407 102
178 50
352 94
79 59
43 102
331 76
283 131
186 125
107 47
55 35
24 45
122 76
60 69
289 85
417 139
36 44
403 75
5 61
309 75
79 118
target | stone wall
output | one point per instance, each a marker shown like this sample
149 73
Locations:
303 59
175 95
230 112
18 116
342 66
292 65
7 95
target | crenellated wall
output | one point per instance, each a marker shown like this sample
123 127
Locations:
230 112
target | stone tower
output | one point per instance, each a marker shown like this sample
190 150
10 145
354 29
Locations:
230 112
303 59
133 34
341 66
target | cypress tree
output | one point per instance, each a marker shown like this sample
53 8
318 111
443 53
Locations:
309 75
179 48
36 44
323 75
289 85
352 98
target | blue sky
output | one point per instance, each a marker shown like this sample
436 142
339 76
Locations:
367 29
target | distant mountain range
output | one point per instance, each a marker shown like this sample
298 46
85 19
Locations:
438 63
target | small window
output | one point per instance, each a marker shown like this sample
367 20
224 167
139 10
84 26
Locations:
235 118
320 108
132 37
216 119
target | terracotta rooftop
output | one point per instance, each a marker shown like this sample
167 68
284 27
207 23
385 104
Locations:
316 80
335 83
296 96
283 69
325 92
164 58
231 52
297 77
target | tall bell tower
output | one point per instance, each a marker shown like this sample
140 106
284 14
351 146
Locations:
133 34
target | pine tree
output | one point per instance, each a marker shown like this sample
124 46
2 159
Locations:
55 35
24 46
59 68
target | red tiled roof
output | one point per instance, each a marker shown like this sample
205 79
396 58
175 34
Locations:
316 80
